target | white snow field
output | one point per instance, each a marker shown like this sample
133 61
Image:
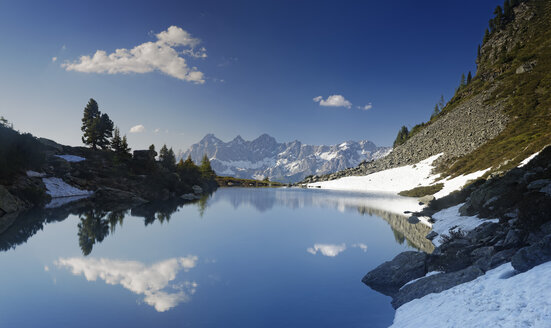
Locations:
500 298
399 179
59 188
449 218
71 158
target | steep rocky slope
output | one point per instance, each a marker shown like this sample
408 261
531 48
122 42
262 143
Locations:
499 118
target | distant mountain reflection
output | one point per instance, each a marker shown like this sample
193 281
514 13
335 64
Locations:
97 222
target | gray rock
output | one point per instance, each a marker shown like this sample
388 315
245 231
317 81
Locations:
486 251
388 277
434 284
502 257
413 219
197 189
8 202
546 190
538 184
512 239
528 257
190 196
432 235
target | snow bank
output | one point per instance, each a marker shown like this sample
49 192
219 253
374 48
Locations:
34 174
392 180
528 159
450 218
58 188
71 158
399 179
497 299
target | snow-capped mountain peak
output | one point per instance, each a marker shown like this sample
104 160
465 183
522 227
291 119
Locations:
287 162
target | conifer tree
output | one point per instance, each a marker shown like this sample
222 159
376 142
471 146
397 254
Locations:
486 36
469 77
97 128
442 102
116 142
152 147
436 111
167 158
462 83
90 123
206 170
124 146
401 137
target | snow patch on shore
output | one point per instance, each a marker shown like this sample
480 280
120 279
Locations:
500 298
71 158
399 179
450 218
59 188
528 159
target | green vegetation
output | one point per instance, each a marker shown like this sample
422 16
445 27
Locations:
18 152
236 182
525 97
97 127
422 191
402 136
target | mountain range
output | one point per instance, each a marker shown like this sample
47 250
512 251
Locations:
264 157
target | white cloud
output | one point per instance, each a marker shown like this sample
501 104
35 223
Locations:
54 59
147 57
361 246
137 128
333 101
139 278
330 250
366 107
156 130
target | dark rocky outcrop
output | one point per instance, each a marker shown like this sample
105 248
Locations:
434 284
528 257
388 277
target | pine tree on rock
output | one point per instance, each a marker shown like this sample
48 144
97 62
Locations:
116 142
469 77
401 137
206 170
90 124
97 128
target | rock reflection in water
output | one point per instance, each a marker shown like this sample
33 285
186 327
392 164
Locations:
386 206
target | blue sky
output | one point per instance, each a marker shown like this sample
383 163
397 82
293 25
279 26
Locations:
265 63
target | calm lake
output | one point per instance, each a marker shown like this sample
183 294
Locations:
240 258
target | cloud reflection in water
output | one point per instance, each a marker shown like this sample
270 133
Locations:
139 278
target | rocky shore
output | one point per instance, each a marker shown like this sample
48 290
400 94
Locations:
520 199
72 173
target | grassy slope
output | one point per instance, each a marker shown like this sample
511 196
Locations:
527 100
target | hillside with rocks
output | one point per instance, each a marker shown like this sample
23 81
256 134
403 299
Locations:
292 161
501 117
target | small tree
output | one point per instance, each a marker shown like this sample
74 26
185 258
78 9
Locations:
462 83
152 147
402 136
167 158
206 170
469 78
116 142
486 36
435 112
442 102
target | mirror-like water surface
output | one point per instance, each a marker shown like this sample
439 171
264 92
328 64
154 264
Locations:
241 258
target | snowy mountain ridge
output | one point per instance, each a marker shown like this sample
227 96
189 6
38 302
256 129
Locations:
286 162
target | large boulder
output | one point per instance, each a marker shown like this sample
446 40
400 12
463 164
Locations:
434 284
528 257
388 277
8 202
